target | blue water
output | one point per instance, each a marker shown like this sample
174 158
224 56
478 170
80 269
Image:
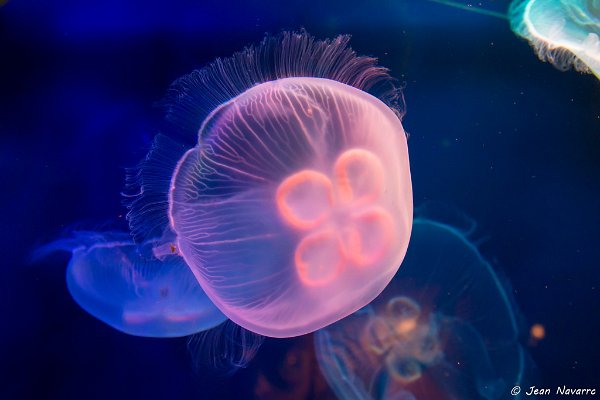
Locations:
494 132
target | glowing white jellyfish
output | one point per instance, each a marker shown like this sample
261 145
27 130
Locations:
563 32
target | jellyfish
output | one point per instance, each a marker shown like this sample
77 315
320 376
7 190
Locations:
283 179
444 328
563 32
128 288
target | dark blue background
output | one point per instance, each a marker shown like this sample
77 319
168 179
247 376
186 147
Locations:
509 140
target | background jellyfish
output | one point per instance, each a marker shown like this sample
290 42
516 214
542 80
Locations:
443 329
286 184
127 287
563 32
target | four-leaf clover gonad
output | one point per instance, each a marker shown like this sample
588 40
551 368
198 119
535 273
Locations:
340 222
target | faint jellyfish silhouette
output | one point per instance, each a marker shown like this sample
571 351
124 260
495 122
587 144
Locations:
285 369
127 287
563 32
286 184
444 328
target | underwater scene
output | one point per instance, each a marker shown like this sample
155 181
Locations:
368 199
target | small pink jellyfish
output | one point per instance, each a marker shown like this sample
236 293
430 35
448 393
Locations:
294 207
122 284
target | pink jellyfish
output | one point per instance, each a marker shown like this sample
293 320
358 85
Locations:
292 203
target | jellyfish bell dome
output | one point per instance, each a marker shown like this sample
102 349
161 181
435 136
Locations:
292 205
563 32
295 209
444 328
